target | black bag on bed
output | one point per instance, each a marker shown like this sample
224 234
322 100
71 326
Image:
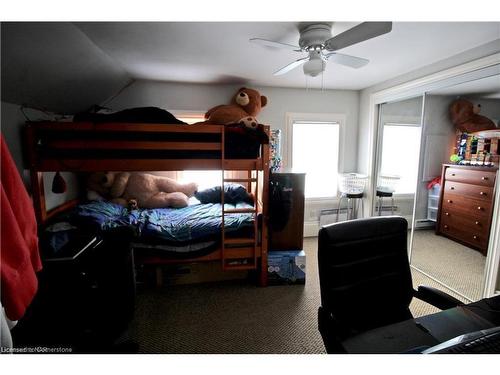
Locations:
150 115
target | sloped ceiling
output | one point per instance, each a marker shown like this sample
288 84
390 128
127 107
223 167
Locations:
68 67
56 67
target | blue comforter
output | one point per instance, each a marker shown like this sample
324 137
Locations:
191 223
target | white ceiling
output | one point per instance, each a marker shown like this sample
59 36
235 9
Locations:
67 67
220 51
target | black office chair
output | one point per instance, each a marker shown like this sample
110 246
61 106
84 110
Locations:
365 279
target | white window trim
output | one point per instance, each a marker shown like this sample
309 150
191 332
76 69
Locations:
290 118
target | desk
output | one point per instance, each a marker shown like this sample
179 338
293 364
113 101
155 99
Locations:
86 295
427 330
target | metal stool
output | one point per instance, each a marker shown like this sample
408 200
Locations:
351 211
381 195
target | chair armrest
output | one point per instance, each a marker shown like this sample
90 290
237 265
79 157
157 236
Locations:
436 297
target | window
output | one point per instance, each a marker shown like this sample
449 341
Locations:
315 151
205 179
400 155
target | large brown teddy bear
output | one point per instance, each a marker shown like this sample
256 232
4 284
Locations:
244 108
466 118
139 190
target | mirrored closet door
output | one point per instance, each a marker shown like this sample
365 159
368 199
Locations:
454 198
397 160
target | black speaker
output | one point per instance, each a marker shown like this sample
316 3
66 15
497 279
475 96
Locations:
286 211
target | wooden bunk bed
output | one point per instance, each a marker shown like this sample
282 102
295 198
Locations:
91 147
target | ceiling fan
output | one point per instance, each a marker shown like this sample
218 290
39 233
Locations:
316 40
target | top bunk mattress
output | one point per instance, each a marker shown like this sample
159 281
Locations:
143 133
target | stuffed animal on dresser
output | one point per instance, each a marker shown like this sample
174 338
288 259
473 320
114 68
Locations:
139 190
244 108
466 118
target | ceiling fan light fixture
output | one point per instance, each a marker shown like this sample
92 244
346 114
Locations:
316 40
314 66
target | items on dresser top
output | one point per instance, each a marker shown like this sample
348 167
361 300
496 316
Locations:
466 206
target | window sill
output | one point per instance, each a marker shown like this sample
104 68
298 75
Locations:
406 196
322 200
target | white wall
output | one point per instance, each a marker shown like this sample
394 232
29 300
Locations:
12 123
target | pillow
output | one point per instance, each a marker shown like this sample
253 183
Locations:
233 193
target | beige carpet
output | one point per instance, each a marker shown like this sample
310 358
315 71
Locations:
458 266
237 316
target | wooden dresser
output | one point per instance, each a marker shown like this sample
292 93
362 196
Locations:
466 204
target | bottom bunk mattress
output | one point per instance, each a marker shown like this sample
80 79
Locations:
194 230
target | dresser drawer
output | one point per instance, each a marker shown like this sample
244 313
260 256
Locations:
484 193
479 240
474 225
466 206
468 176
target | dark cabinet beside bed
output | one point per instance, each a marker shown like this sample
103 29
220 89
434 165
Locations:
286 211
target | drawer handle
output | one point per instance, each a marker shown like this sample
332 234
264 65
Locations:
482 193
447 213
479 208
453 174
484 178
445 226
452 188
477 223
450 201
475 237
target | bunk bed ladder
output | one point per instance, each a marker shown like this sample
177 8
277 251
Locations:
231 256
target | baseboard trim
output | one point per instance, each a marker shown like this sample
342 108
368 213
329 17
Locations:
311 228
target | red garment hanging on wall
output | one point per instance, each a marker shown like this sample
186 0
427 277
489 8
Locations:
20 259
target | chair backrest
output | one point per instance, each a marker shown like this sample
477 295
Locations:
365 278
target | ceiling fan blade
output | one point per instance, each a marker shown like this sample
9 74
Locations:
291 66
347 60
270 43
357 34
